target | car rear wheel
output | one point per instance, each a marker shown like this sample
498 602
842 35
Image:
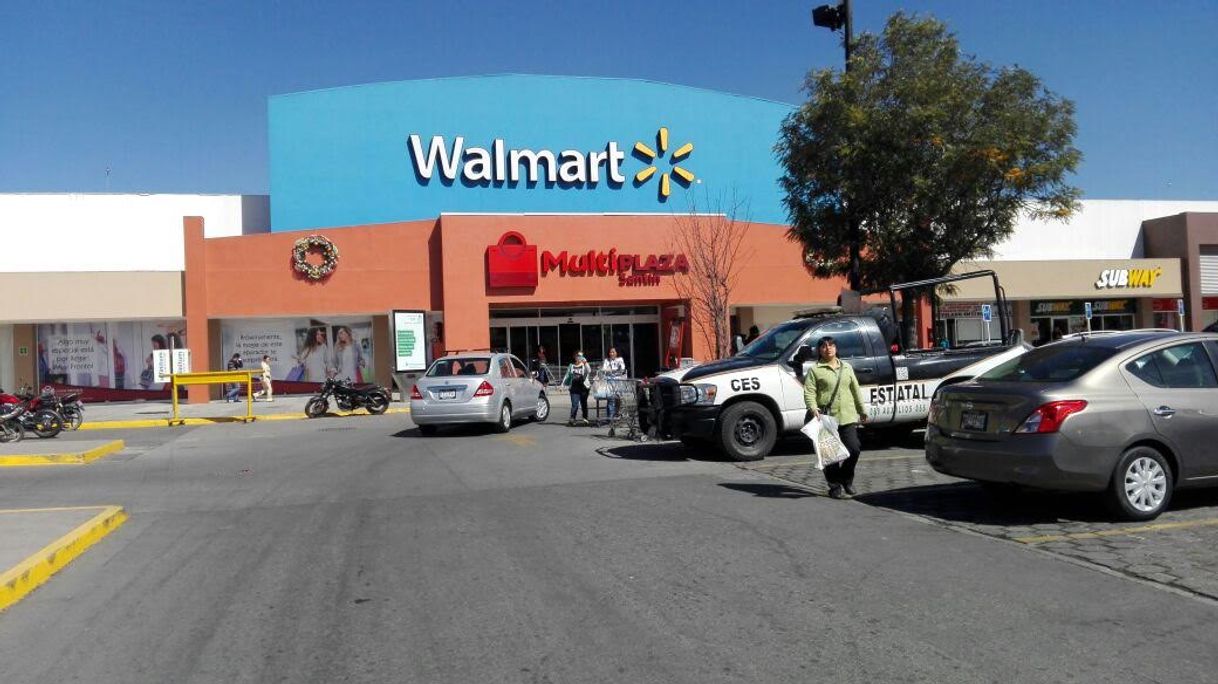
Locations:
1142 484
543 409
505 419
747 431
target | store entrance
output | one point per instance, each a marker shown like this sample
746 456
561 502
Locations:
634 331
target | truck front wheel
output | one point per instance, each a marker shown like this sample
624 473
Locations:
747 431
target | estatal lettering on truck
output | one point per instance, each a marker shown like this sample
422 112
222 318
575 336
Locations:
902 399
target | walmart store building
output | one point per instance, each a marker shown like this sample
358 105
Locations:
517 211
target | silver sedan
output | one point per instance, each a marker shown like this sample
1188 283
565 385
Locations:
1131 414
485 387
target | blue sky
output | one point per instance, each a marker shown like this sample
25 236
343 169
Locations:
172 95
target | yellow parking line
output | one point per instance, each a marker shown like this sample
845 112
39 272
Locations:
1157 527
518 440
27 575
66 458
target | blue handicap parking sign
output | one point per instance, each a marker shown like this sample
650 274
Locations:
987 313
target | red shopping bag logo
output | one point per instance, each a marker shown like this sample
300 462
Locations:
512 262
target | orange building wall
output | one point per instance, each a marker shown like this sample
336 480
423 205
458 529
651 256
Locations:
380 267
441 265
773 272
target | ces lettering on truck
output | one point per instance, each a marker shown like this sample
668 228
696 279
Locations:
745 384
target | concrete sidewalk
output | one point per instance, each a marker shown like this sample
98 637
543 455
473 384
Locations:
137 414
110 415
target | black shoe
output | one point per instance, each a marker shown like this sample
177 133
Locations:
850 490
839 492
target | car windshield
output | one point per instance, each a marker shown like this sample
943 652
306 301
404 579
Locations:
775 341
446 367
1052 363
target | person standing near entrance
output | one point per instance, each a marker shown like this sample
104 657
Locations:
234 389
540 365
614 368
579 377
267 390
832 388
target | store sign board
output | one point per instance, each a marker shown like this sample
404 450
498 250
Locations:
412 150
1163 305
512 262
1127 278
409 341
1078 308
161 365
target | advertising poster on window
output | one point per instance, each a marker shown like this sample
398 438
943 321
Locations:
410 341
304 350
115 359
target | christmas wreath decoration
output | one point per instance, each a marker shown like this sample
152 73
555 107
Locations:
321 245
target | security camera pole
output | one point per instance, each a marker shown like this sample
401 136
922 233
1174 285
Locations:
834 17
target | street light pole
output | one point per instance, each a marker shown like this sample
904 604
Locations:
834 18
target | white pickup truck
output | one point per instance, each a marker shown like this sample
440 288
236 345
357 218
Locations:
743 404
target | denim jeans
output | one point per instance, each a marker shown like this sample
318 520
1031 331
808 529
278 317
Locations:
579 402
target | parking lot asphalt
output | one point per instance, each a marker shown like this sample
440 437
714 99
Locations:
358 550
1178 550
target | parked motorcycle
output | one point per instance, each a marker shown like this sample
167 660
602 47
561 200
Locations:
37 417
11 429
348 397
69 406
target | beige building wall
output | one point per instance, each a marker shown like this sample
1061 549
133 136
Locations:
91 296
1072 279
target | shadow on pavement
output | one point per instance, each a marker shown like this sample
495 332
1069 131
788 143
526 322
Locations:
661 451
769 491
968 502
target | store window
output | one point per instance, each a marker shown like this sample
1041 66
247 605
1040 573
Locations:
1054 319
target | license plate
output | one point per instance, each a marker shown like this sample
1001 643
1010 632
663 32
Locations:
973 420
448 394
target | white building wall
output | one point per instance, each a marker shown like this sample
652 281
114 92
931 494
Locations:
88 232
1104 229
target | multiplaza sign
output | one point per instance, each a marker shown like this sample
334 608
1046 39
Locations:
512 262
632 270
500 164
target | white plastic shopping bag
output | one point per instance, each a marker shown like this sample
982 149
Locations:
822 430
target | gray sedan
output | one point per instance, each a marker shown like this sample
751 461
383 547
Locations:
482 387
1131 414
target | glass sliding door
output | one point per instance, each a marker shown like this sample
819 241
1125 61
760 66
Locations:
646 347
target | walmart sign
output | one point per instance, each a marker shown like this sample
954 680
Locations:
516 144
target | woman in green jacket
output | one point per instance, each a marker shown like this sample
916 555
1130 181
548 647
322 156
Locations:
832 388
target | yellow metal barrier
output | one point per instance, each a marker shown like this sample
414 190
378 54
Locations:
215 378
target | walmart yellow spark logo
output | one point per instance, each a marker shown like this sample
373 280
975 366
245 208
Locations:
652 157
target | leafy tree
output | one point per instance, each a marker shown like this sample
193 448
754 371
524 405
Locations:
930 153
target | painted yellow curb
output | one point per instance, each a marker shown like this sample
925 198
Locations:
68 458
215 420
38 568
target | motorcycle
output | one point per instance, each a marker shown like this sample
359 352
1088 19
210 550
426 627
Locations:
38 416
348 398
68 406
11 429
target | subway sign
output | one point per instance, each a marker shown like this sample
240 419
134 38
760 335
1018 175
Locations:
1121 278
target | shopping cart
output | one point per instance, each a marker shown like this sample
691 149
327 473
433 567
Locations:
623 395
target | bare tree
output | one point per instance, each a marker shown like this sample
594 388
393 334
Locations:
712 239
